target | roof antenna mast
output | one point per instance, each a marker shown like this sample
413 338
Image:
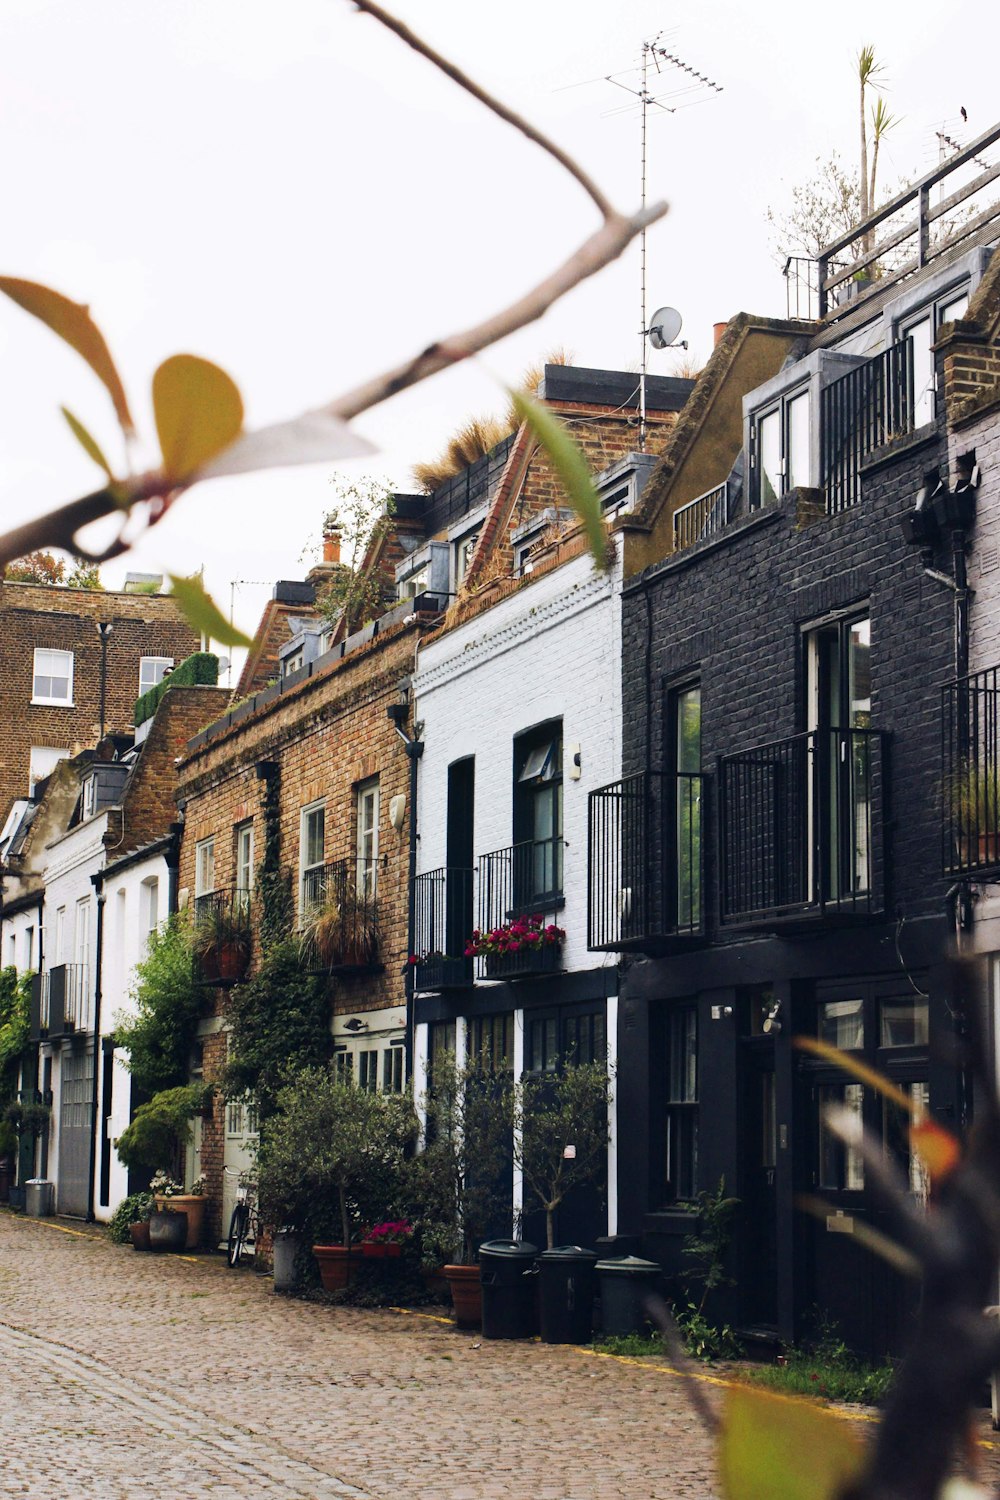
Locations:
696 83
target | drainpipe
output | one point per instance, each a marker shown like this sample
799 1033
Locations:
97 881
414 748
104 628
172 855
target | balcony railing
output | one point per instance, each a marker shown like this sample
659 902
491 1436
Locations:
521 880
61 1002
645 861
801 828
223 934
443 919
904 235
340 916
970 774
704 516
859 413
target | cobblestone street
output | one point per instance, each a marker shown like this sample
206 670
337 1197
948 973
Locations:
131 1374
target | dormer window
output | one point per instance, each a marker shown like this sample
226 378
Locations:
292 663
780 447
90 796
464 550
416 583
921 329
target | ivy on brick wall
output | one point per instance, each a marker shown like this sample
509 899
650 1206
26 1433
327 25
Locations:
279 1023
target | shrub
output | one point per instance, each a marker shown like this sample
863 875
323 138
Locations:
160 1036
131 1210
201 668
331 1156
161 1129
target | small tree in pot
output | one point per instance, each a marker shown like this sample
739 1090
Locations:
155 1141
331 1158
461 1180
560 1134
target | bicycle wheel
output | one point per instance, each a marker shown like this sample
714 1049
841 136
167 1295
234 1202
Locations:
237 1234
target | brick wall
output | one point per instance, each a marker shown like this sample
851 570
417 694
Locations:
149 805
733 611
60 619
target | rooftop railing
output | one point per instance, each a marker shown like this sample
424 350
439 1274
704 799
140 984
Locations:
970 774
704 516
859 413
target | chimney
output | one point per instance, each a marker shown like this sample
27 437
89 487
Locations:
331 546
718 329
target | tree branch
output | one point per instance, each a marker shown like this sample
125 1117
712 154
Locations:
58 528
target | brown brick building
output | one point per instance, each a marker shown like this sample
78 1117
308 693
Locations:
65 681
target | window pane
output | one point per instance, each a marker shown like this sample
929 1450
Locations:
923 372
797 416
683 1069
53 675
769 457
204 870
842 1024
152 670
956 308
840 1166
314 837
905 1023
896 1138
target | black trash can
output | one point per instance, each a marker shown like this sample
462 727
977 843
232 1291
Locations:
508 1294
566 1294
625 1282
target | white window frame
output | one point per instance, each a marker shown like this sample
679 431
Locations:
89 796
463 551
308 866
81 937
293 663
38 661
204 867
166 662
780 407
243 863
149 906
59 944
366 816
49 756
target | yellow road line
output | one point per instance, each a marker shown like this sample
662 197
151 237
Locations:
412 1312
720 1380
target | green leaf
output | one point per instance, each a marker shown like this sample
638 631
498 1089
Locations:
201 611
571 467
777 1448
314 437
73 323
89 444
198 410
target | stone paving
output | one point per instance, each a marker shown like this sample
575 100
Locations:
129 1374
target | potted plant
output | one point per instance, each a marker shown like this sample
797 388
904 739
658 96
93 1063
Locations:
341 934
560 1135
171 1195
972 801
524 945
462 1177
327 1155
222 943
155 1141
386 1240
130 1221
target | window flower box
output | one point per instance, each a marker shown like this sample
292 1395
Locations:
519 948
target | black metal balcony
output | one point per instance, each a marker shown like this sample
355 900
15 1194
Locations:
645 862
970 774
860 412
802 830
704 516
61 1002
223 935
340 917
443 919
523 880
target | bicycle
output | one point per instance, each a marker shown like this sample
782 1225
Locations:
246 1225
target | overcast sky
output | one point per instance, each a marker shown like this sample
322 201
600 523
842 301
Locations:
288 190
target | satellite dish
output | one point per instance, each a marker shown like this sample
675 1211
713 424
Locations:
664 326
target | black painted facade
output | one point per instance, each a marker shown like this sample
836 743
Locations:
733 613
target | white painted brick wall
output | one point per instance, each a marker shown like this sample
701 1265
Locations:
553 650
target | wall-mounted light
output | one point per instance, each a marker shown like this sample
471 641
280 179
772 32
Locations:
397 811
575 762
772 1024
354 1025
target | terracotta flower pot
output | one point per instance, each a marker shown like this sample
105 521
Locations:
139 1233
334 1263
380 1249
466 1295
193 1207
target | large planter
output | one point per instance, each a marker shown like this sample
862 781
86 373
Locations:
527 961
224 964
167 1230
466 1295
335 1263
378 1250
193 1207
139 1234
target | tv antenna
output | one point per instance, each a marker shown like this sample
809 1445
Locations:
698 86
